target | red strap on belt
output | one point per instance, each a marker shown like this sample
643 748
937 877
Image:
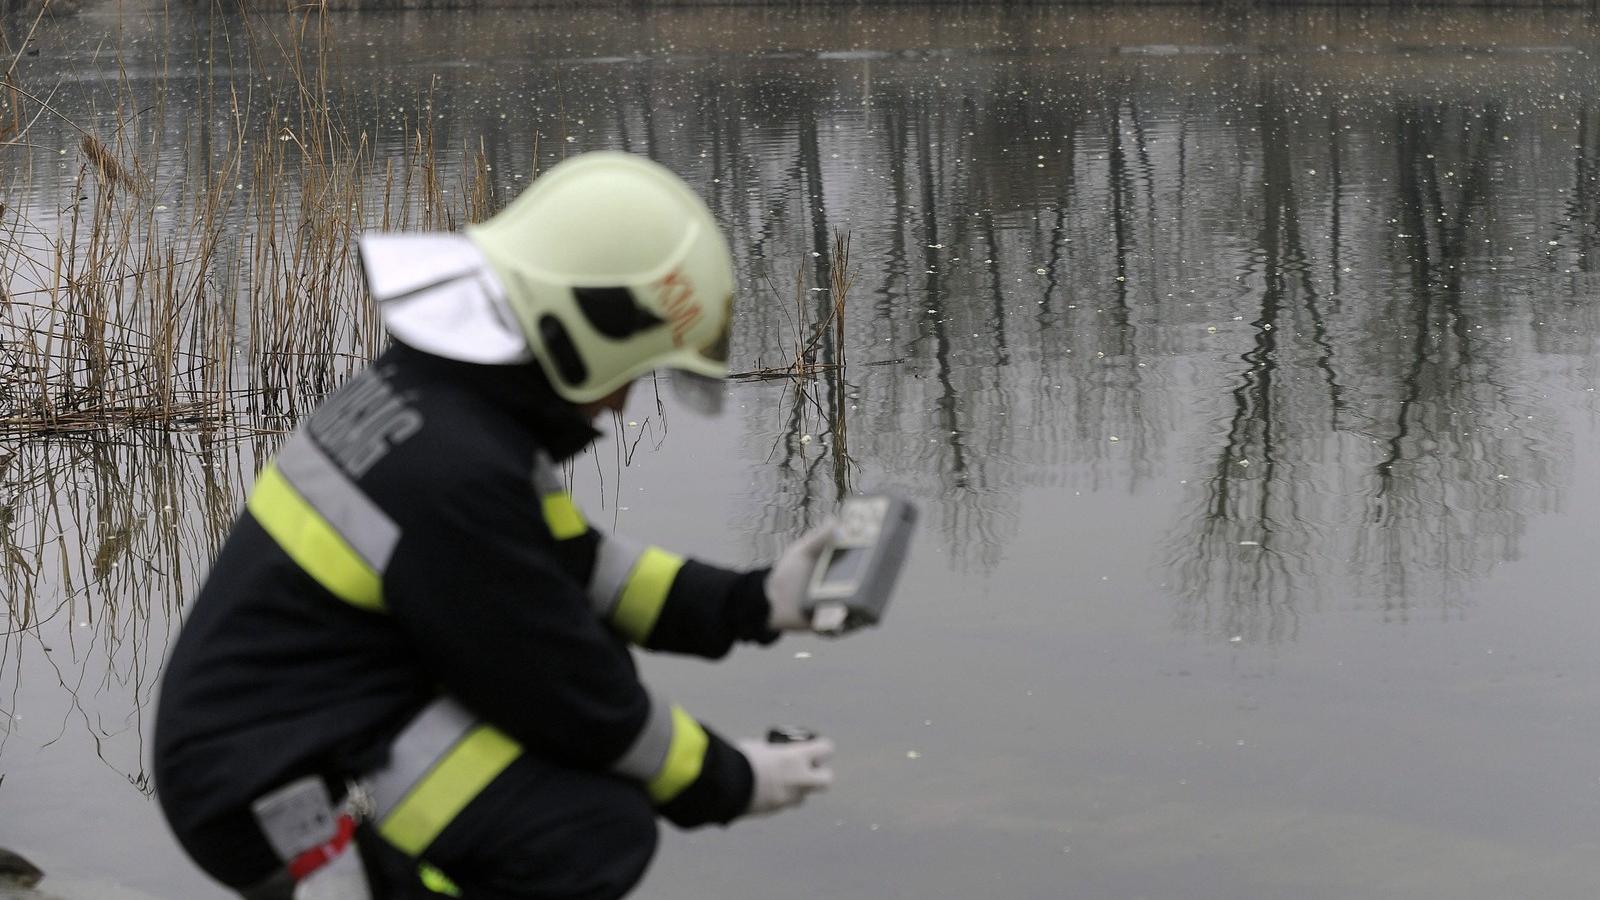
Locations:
322 854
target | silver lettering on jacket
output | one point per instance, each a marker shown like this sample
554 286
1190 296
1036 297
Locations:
362 422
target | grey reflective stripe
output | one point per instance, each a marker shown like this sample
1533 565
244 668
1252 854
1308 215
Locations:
649 751
421 744
365 527
546 480
613 563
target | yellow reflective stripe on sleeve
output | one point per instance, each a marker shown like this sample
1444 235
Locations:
684 758
312 543
461 775
562 517
642 597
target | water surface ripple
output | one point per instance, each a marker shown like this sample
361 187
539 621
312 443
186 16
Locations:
1244 366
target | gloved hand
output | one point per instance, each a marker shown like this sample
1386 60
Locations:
791 575
786 773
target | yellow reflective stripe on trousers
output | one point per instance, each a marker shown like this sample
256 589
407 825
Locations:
448 787
312 543
642 597
684 759
437 881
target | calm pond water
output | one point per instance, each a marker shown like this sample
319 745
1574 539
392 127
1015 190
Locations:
1244 367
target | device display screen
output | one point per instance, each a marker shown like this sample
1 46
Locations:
843 565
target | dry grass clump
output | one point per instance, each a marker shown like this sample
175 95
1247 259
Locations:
106 331
241 308
115 324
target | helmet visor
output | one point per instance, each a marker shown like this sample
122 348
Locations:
717 351
700 393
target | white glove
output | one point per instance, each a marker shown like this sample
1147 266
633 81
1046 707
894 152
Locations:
790 577
786 773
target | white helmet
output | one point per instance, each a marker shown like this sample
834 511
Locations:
608 265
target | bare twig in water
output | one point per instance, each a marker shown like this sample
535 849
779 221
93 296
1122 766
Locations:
808 336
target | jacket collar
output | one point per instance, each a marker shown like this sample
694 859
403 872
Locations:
520 389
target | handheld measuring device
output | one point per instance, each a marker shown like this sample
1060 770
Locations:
858 568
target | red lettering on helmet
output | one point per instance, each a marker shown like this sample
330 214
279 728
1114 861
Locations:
676 294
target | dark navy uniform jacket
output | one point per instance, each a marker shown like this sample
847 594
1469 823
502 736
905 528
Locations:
412 540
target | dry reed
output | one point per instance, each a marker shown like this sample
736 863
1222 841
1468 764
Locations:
807 375
11 127
239 316
106 163
809 336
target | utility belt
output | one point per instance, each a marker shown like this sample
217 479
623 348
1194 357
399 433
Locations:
438 763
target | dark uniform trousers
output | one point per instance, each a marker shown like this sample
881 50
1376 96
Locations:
537 832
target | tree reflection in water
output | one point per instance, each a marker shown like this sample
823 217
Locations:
1043 237
1377 450
102 541
1306 299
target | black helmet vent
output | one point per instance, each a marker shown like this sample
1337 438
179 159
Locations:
613 312
562 351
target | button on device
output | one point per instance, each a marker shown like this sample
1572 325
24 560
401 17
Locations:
788 734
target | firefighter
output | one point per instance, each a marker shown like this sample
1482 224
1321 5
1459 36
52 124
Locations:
410 658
